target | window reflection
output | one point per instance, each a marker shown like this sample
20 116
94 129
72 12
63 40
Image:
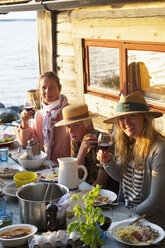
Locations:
104 68
146 72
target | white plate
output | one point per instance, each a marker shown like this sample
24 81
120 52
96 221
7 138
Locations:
107 193
11 168
143 222
15 242
46 173
10 190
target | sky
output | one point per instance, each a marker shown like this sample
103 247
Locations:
20 15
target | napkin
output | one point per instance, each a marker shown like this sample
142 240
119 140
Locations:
62 205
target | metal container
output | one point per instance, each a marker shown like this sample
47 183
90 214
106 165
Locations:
32 202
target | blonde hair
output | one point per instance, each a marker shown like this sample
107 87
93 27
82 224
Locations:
127 151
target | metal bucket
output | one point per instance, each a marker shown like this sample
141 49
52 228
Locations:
31 203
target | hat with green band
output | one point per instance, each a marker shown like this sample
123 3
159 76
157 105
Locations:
132 104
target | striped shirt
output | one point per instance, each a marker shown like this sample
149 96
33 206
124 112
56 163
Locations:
132 186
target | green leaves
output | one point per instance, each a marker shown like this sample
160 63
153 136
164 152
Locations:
86 225
6 140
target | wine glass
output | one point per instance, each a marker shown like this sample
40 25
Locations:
106 225
28 107
27 104
104 142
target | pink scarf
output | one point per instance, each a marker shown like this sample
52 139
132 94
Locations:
50 118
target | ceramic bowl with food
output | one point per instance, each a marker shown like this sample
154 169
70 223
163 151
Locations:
16 235
32 164
25 177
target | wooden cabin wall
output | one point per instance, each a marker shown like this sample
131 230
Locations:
45 41
65 56
124 24
131 23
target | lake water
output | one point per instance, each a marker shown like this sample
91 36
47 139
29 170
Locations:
19 70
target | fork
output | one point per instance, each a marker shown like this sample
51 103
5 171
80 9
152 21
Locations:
137 220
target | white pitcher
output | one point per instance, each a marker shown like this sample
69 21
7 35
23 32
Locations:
68 172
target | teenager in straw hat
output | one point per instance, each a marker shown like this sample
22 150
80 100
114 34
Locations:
139 160
78 121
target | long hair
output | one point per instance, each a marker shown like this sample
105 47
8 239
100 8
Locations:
129 151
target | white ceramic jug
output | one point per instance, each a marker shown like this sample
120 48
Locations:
68 172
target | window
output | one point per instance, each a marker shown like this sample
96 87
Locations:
113 67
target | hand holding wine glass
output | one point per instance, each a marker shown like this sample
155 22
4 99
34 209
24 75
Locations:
27 113
104 142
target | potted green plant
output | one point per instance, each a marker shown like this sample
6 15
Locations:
88 220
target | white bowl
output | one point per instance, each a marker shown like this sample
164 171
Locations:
33 164
11 230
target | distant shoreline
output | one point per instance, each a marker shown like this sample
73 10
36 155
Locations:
17 20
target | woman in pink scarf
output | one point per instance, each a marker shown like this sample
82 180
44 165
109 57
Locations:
53 140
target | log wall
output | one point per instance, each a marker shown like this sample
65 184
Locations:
144 22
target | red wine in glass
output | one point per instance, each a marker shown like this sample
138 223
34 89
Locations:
29 108
104 142
104 146
106 224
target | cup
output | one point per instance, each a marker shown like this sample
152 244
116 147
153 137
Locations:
4 154
3 203
7 218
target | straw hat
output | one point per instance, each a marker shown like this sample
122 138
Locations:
132 104
75 113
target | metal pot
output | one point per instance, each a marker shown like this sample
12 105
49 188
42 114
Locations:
32 204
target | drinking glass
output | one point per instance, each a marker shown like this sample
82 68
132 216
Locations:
7 218
27 104
28 108
106 225
104 142
3 202
4 154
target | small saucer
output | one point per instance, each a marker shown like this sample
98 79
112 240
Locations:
10 190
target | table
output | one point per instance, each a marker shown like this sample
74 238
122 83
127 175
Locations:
117 213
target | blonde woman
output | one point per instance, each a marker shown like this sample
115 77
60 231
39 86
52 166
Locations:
139 163
53 140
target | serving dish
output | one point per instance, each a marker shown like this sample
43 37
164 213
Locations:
32 164
16 235
9 170
7 143
5 138
143 223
